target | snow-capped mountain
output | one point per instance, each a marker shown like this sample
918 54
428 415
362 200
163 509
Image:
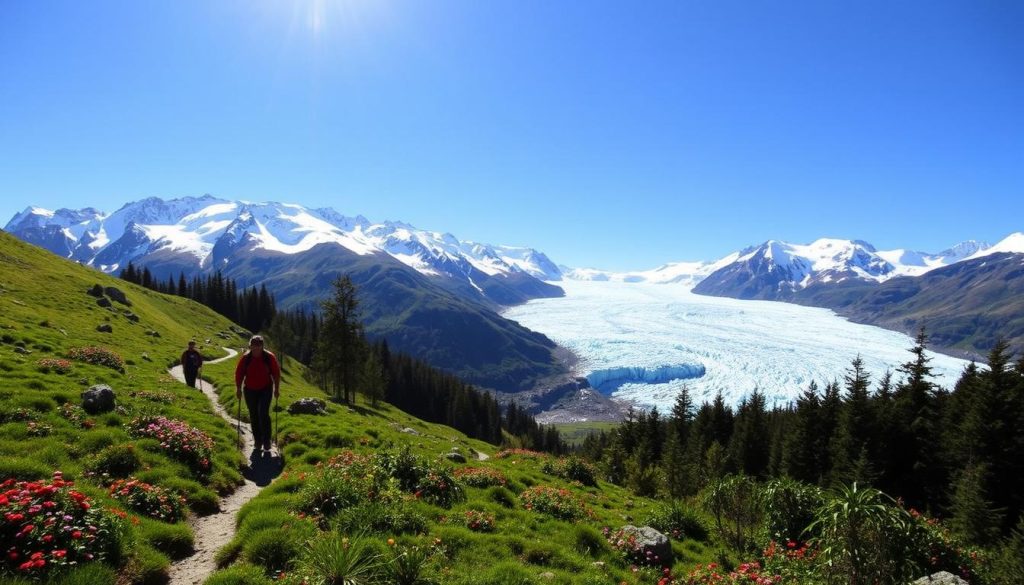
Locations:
206 232
684 273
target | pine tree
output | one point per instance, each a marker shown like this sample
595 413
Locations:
339 353
849 447
974 517
801 460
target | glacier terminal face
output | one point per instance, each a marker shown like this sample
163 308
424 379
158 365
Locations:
611 379
629 336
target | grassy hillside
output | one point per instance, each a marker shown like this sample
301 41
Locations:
386 484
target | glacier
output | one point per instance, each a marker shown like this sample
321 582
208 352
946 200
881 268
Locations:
636 336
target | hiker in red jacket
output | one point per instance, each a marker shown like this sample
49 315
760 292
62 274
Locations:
260 375
191 361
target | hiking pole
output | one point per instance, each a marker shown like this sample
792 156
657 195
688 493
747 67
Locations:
238 424
277 420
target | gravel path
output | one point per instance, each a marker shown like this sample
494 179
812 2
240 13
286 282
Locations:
214 531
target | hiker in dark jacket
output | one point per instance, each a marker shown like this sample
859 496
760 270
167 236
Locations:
259 375
191 361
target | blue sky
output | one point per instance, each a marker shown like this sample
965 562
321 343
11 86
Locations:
617 135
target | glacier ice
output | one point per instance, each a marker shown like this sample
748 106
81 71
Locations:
778 348
610 379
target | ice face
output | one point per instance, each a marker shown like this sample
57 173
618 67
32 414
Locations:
778 348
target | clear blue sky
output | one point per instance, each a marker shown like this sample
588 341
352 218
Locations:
617 135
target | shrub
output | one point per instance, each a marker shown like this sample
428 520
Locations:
331 558
438 487
480 476
38 429
100 356
572 469
273 549
479 521
75 415
149 500
114 461
49 525
789 507
588 541
331 489
679 521
174 540
624 541
61 366
177 438
560 503
376 517
519 454
19 414
241 574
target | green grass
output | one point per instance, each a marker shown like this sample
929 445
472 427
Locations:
44 309
574 433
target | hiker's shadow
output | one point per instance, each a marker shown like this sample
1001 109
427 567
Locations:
263 467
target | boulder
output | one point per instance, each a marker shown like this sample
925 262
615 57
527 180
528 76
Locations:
455 457
653 546
943 578
118 295
105 328
98 398
131 316
96 291
22 350
103 302
410 431
308 406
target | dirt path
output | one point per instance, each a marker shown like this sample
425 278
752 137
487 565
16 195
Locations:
214 531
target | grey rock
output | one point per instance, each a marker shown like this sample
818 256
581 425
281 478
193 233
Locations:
96 291
98 398
105 328
131 317
654 546
22 350
118 295
943 578
547 575
308 406
410 431
455 457
103 302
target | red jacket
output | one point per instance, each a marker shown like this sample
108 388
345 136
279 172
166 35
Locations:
257 376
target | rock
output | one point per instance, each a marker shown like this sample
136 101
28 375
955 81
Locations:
153 333
652 545
943 578
410 431
131 317
105 328
116 294
98 398
308 406
103 302
547 575
22 350
96 291
455 457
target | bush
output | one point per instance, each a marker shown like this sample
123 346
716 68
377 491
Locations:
150 500
241 574
572 469
560 503
34 545
479 521
114 461
273 549
60 366
679 521
178 439
174 540
588 541
100 356
375 517
789 507
480 476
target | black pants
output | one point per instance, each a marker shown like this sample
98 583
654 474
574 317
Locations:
258 403
190 377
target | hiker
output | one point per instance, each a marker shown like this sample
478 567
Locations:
191 361
260 375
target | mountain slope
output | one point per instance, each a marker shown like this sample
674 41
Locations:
428 293
965 306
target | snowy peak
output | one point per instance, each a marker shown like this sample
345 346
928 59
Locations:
1013 243
207 232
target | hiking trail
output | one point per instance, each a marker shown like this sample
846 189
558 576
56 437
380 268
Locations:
214 531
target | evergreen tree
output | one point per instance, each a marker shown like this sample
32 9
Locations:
974 517
750 441
339 353
849 447
801 458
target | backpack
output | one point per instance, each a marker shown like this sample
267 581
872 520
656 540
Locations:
193 360
248 360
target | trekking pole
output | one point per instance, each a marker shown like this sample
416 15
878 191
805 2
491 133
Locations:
238 424
277 421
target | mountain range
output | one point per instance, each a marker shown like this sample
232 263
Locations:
427 293
439 297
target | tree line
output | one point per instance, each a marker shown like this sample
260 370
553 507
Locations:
957 454
252 308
